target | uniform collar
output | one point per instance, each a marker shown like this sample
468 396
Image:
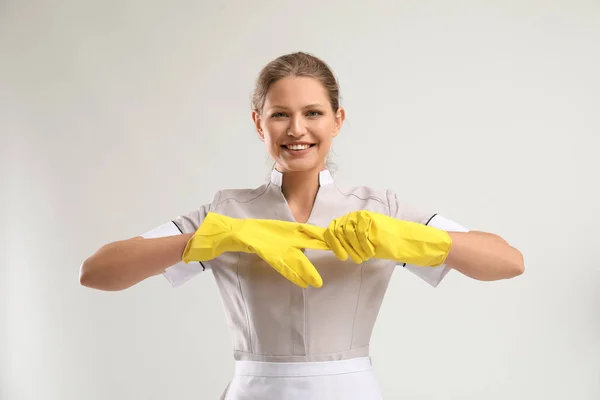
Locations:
325 178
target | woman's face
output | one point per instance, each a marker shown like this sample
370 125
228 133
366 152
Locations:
298 124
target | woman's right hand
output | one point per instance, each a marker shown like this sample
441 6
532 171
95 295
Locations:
278 243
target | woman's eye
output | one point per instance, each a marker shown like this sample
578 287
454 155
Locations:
282 114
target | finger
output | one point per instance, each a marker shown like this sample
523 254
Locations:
280 265
310 237
335 245
297 262
363 229
340 234
351 234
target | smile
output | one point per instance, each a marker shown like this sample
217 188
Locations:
297 147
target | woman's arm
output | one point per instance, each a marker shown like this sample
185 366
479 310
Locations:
484 256
122 264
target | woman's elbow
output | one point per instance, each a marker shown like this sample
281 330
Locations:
520 262
88 275
516 266
85 273
91 277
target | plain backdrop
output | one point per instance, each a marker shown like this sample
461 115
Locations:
116 116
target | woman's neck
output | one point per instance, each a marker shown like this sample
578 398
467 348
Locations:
300 190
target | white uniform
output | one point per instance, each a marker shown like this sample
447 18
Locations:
293 343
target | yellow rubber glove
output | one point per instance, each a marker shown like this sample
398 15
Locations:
365 234
279 243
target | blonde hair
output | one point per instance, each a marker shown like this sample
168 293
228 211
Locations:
295 64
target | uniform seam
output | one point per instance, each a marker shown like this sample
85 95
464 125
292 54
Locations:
237 274
215 201
388 206
219 202
260 355
292 336
362 267
306 336
362 198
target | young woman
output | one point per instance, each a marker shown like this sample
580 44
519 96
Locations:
302 264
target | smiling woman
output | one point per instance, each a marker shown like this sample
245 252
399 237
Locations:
267 245
296 112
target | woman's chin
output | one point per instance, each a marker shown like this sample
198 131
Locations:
300 165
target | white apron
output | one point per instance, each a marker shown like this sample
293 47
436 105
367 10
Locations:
351 379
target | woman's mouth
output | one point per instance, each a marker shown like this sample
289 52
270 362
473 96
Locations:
298 149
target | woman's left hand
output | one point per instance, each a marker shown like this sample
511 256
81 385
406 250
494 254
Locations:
348 236
362 235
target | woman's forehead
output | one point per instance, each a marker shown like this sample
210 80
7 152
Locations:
296 90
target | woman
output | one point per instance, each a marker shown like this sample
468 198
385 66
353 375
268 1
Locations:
302 264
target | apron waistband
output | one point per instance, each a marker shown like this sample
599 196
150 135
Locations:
283 369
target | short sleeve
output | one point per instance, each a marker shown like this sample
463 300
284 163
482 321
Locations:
181 272
408 212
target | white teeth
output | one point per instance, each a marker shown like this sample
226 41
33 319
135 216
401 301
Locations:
298 146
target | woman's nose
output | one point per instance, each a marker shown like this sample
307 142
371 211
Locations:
297 128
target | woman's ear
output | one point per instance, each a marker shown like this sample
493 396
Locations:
340 116
257 124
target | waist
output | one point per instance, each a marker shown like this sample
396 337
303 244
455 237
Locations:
292 358
318 368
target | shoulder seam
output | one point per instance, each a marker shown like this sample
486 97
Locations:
215 201
362 198
218 201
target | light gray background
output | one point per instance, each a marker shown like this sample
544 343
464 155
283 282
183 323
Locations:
117 115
